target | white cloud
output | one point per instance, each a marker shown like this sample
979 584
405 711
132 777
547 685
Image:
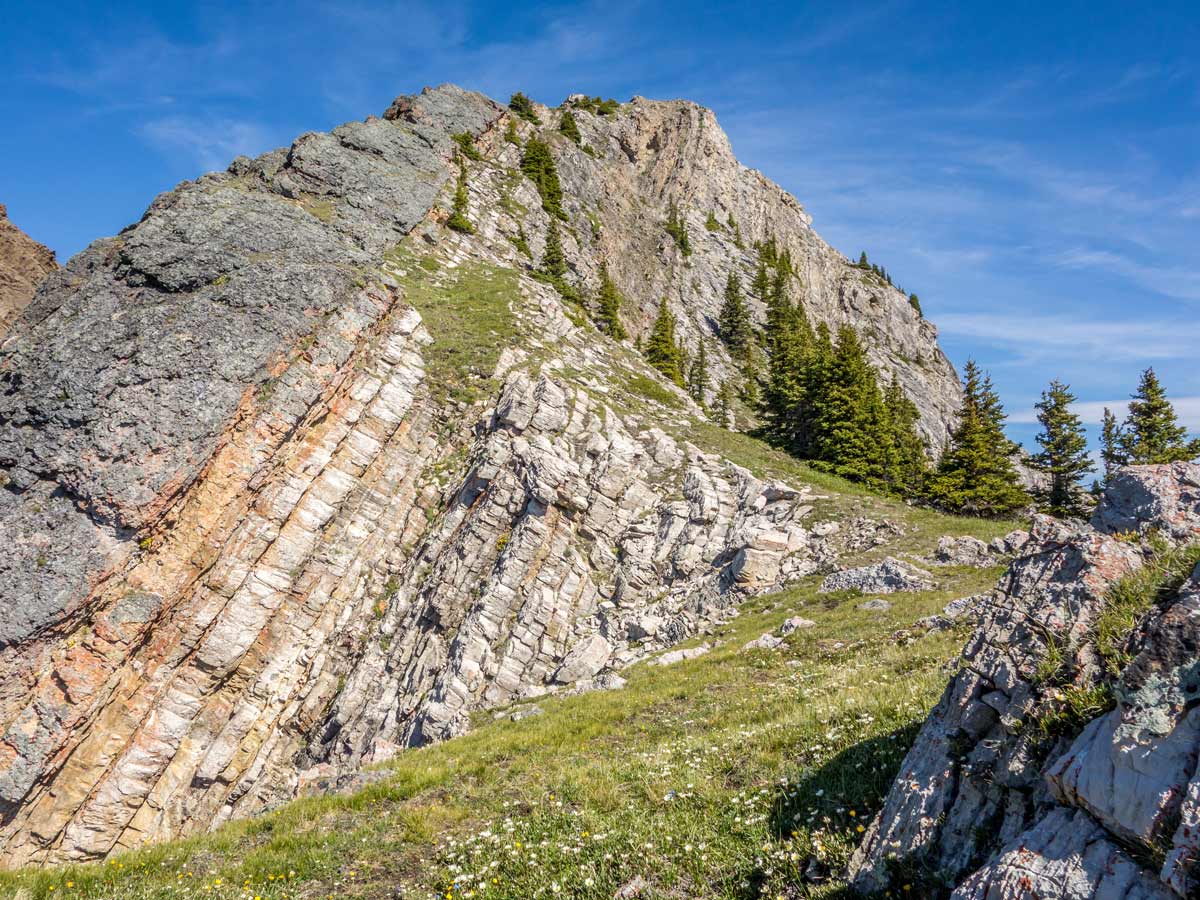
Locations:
211 142
1037 336
1187 409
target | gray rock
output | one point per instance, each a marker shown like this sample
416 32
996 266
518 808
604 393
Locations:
767 641
875 604
962 551
675 656
794 624
1066 856
584 660
1163 498
884 577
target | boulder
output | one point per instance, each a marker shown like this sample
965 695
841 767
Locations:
886 577
584 660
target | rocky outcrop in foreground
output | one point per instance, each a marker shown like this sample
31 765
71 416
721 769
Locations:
1062 761
293 476
23 264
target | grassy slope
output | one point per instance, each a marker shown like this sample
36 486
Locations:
725 776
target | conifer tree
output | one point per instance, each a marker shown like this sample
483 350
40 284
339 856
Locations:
608 307
1152 433
915 303
661 351
1112 451
851 431
862 261
537 164
569 127
698 374
760 287
734 319
554 264
722 410
510 132
458 217
523 107
976 474
911 462
1064 455
677 228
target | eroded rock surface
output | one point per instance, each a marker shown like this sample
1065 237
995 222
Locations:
1045 762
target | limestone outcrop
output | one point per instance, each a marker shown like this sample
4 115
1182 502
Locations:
23 264
293 477
1062 761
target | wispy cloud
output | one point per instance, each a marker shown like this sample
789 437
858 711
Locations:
210 143
1187 409
1042 336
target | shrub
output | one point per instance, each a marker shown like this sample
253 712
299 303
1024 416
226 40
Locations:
538 165
569 127
466 144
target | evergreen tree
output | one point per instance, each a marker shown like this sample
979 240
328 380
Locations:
510 132
911 462
569 127
711 223
787 405
1152 433
862 261
851 429
1064 455
976 474
1111 445
661 351
722 411
677 228
537 164
698 374
523 107
608 307
554 264
458 216
760 287
915 303
734 319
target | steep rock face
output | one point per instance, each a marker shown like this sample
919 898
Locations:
294 477
23 264
1005 793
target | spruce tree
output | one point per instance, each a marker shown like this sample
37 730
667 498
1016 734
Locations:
734 319
697 382
608 307
1152 433
1064 455
661 350
911 462
510 132
976 474
569 127
722 410
760 286
1112 443
677 228
537 164
523 107
458 217
851 430
554 264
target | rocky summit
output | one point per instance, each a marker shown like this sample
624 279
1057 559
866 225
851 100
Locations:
296 477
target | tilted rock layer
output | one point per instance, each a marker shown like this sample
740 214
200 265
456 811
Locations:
1028 781
23 264
293 477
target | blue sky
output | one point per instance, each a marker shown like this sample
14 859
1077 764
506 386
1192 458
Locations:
1031 170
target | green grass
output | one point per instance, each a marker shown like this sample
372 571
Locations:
725 776
1130 598
469 313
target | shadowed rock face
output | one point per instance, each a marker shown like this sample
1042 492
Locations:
23 264
1003 808
253 541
